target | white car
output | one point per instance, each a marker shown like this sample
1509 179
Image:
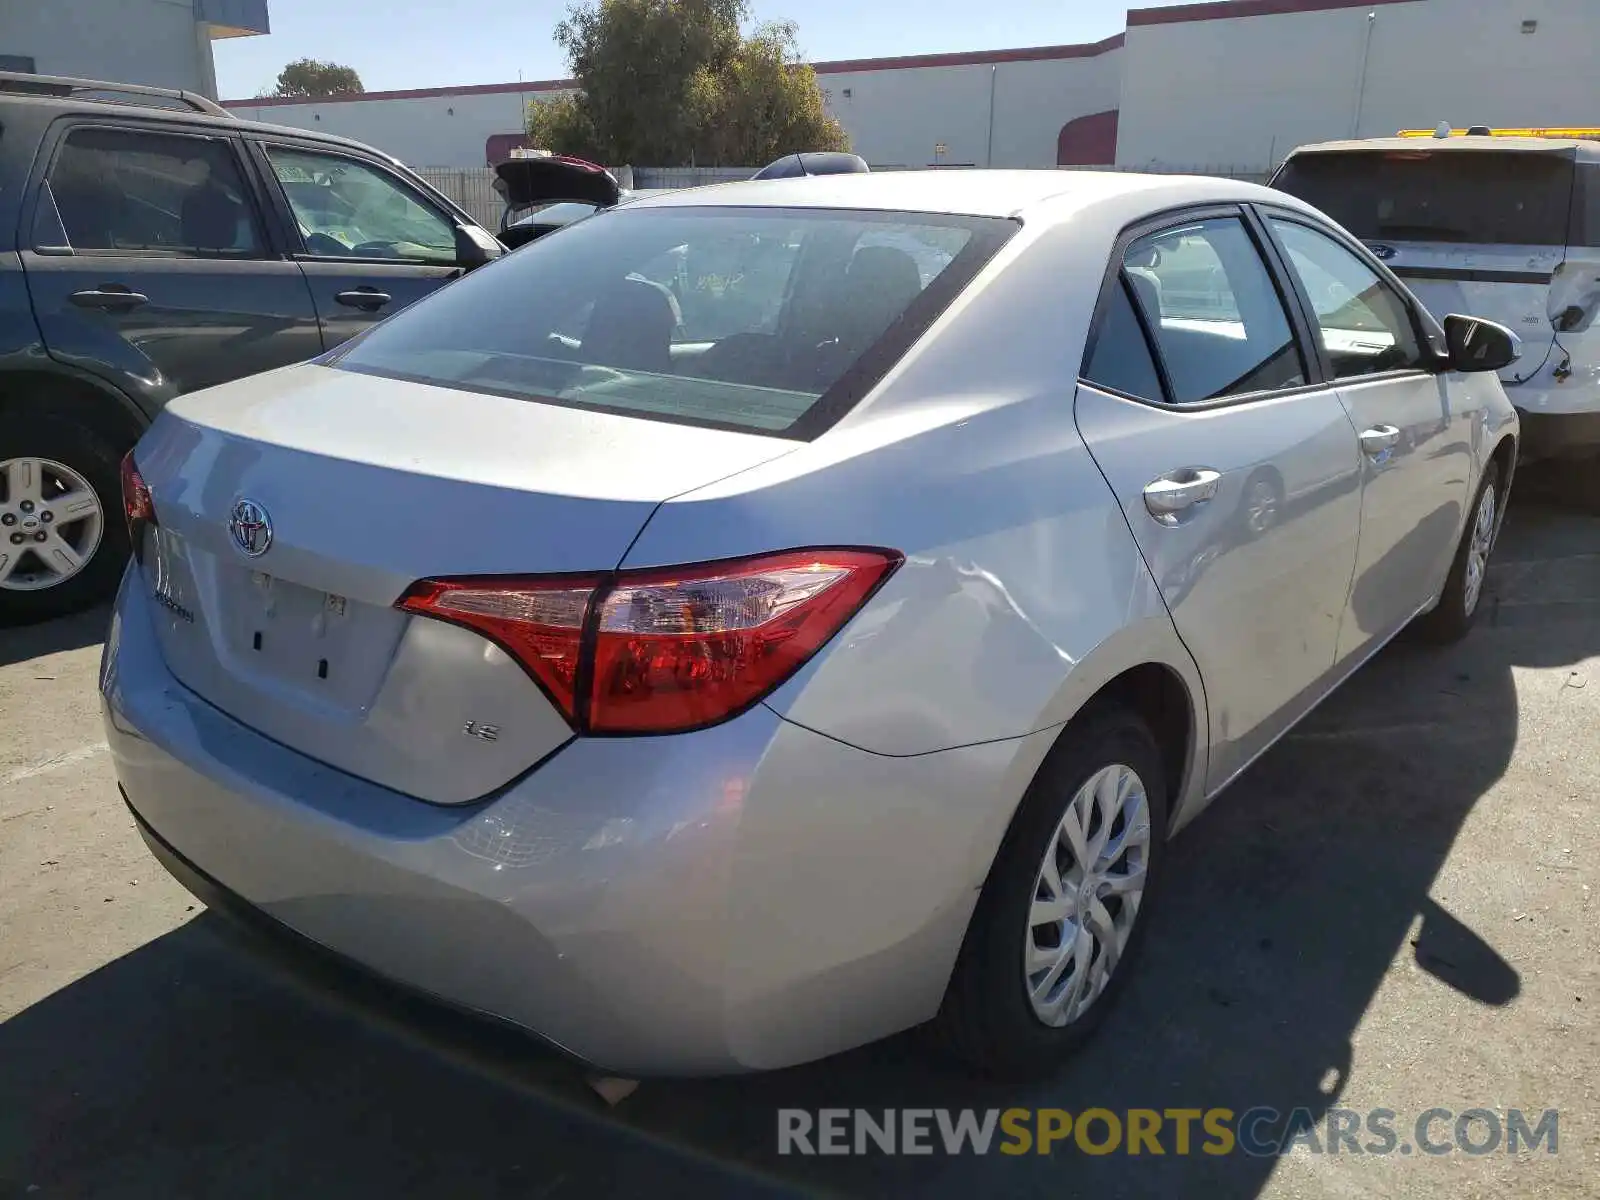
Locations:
716 694
1503 227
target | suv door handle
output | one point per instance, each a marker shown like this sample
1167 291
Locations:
1379 438
1170 495
112 297
365 298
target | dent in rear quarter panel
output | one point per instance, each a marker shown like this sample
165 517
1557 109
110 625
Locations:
1021 594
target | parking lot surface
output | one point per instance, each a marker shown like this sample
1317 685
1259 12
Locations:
1394 909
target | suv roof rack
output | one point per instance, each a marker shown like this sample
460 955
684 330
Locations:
63 85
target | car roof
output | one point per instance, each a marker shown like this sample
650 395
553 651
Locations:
182 116
1587 151
978 193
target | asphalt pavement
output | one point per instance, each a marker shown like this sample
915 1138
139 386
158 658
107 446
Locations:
1394 909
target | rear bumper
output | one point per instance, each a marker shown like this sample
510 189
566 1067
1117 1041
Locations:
1559 435
745 897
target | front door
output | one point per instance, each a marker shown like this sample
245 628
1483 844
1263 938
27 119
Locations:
1416 450
146 256
370 244
1237 472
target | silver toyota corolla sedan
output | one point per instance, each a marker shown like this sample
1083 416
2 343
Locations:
760 619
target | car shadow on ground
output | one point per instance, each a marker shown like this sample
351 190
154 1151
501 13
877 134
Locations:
18 643
188 1067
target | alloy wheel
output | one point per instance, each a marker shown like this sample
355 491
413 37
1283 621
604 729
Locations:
51 522
1087 895
1478 550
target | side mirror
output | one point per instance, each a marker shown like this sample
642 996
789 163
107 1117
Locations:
1478 345
475 246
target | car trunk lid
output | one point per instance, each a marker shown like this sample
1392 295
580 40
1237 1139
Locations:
522 182
296 507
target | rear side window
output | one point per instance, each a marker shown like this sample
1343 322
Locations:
767 320
1469 197
1121 359
1217 318
132 190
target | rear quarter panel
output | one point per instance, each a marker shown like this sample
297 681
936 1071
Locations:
1022 592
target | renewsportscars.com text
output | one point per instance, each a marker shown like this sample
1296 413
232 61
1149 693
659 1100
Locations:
1260 1132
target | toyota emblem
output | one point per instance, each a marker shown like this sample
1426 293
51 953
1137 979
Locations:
251 527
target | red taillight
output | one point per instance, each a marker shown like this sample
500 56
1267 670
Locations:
663 651
137 507
539 622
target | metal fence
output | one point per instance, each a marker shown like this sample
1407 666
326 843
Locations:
688 177
472 187
1249 174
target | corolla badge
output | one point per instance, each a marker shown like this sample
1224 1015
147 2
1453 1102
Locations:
250 527
1382 251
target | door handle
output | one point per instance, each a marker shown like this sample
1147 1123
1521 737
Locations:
1378 439
112 297
365 298
1172 494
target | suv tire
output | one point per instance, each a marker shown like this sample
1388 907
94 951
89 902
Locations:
48 442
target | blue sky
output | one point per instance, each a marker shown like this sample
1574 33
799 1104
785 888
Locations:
423 43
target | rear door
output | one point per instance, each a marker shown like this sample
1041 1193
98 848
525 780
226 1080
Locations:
1235 466
1415 434
368 242
147 255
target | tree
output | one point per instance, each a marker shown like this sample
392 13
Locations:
308 77
676 82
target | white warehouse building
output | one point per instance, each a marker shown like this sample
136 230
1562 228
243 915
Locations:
165 43
1230 85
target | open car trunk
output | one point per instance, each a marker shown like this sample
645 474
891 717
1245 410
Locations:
526 183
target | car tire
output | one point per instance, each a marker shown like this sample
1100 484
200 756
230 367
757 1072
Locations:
57 457
1462 599
989 1020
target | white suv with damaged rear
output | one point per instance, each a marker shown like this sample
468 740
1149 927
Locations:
1503 227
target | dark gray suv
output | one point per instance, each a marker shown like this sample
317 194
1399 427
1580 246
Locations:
151 244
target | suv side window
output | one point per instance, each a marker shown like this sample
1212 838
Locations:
1121 358
346 208
1216 316
137 190
1364 326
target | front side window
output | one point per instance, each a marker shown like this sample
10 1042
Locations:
1217 319
1362 323
742 318
348 209
136 190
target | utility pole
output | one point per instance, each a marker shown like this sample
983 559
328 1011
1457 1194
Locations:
1361 85
988 152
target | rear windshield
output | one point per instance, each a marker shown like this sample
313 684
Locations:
757 319
1477 197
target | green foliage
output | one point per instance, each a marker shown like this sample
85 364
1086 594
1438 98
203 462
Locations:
308 77
677 83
